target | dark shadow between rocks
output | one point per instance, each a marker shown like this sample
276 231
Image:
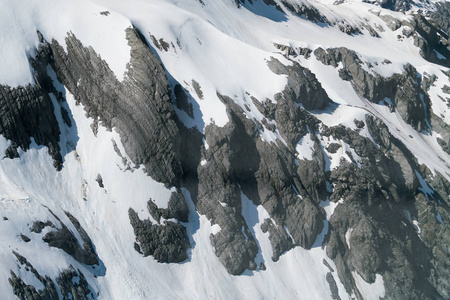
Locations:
266 10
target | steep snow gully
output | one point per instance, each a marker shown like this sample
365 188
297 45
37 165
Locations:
224 149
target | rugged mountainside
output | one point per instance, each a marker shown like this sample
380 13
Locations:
281 149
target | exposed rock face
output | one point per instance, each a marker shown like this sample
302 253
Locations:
441 17
71 283
24 291
306 11
39 225
166 243
64 239
402 89
27 112
232 158
263 173
373 231
397 5
139 108
430 37
303 86
177 209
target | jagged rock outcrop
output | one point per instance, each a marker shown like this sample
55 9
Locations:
306 11
28 112
431 38
71 283
373 231
166 243
396 5
303 86
64 239
402 89
139 107
264 173
177 209
24 291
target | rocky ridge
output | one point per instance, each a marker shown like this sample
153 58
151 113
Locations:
379 189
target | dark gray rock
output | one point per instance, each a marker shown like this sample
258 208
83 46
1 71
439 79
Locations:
306 52
23 291
182 101
429 37
371 233
404 89
278 237
27 112
64 239
391 22
312 173
197 89
166 243
25 238
73 285
139 108
306 11
303 86
333 287
231 161
396 5
265 173
39 225
99 180
333 147
177 209
347 28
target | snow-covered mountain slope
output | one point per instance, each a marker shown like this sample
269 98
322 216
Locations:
224 149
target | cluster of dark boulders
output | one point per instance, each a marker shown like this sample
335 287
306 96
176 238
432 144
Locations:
71 283
24 291
167 242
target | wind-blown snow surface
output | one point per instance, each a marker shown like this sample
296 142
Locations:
225 50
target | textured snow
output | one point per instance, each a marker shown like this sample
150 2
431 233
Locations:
54 19
225 50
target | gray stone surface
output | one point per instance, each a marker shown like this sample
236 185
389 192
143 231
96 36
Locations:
64 239
27 112
166 243
303 86
72 284
139 107
402 89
